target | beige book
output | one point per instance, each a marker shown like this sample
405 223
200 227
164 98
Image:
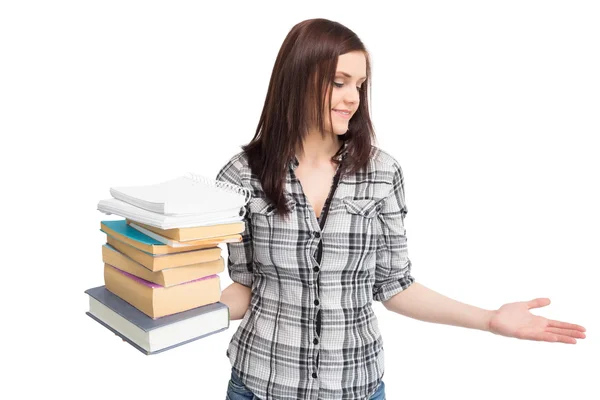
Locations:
163 261
157 301
166 277
196 233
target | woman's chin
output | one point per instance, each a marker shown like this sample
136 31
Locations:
340 130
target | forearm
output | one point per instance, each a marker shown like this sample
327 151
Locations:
237 298
422 303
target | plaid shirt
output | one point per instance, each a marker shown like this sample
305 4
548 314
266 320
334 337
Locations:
310 331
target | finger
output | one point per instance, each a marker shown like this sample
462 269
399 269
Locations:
551 337
539 302
565 325
566 332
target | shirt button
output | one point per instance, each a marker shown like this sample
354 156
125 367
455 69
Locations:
317 234
316 302
314 375
316 269
316 341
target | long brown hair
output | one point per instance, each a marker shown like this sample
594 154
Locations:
302 76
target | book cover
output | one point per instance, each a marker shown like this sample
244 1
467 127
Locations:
176 243
123 317
118 207
123 232
165 277
158 262
196 233
191 194
157 301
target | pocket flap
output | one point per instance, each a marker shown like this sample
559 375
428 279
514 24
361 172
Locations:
365 207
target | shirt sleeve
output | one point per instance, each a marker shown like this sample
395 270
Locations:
392 265
240 259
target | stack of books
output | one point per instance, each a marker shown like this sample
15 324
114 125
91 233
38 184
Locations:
161 262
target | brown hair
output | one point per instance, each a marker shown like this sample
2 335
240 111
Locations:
309 53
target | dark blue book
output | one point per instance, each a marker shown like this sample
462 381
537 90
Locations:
149 335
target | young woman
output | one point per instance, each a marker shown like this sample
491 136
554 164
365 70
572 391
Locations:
325 237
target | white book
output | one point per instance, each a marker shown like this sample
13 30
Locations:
191 194
122 209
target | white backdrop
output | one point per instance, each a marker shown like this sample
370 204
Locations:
490 107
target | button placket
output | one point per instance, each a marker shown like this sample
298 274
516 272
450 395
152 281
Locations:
313 259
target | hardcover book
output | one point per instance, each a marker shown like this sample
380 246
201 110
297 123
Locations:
196 233
158 301
151 336
165 277
158 262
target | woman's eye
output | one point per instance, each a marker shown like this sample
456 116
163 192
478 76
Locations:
339 85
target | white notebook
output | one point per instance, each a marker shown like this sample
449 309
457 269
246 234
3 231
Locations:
120 208
192 194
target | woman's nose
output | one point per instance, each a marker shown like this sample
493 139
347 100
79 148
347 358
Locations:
352 95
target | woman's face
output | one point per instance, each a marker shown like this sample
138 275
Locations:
350 74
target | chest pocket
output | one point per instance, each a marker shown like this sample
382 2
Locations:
273 235
366 207
261 206
360 219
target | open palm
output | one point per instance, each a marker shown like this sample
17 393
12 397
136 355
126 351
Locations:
515 320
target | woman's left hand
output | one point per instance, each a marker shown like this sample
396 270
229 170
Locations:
515 320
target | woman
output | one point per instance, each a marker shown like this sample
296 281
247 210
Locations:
325 237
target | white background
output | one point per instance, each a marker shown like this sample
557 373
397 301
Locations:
492 109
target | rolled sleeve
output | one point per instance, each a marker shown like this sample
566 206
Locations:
392 265
240 258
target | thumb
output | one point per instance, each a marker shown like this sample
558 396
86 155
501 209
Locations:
539 302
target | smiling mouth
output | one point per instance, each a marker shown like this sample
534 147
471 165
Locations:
343 114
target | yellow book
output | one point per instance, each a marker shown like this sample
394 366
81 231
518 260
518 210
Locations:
166 277
157 301
161 261
196 233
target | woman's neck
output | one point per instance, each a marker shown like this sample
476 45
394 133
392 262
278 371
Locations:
318 150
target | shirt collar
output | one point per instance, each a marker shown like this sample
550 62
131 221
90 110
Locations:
294 162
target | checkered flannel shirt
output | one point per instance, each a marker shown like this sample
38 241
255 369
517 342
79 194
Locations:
310 331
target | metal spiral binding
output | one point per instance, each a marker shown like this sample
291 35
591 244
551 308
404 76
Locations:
221 185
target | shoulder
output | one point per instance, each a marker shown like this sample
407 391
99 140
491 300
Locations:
384 163
235 169
388 171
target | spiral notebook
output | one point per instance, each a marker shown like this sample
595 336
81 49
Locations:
162 221
191 194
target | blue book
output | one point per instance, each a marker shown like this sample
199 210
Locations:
149 335
123 232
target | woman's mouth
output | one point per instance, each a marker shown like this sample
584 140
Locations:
343 113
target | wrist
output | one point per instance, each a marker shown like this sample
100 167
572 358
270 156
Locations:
487 320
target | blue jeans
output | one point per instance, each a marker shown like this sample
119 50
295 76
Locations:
237 391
